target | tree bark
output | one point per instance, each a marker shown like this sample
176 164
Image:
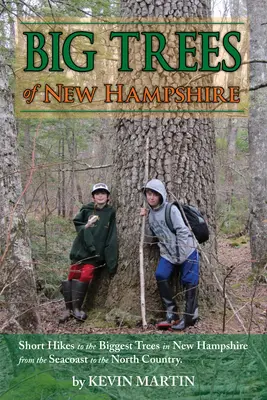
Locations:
72 155
26 158
79 189
59 200
231 146
257 133
182 156
63 178
17 277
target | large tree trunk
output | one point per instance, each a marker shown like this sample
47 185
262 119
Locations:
258 132
17 277
182 155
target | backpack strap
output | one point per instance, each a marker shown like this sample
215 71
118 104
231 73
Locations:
168 217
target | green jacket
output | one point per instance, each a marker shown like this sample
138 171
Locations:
98 241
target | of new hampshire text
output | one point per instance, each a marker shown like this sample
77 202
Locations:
119 93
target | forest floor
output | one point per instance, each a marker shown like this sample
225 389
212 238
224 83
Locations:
247 295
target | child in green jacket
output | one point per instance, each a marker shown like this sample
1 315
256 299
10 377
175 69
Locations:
94 245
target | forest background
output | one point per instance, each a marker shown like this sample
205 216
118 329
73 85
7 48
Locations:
48 168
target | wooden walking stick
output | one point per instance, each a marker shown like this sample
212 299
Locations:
141 248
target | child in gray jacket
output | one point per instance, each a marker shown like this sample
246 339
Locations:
175 249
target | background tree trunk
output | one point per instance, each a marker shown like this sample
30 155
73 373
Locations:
63 178
72 147
257 132
59 197
17 277
26 156
231 147
181 155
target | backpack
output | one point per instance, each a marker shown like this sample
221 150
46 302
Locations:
195 220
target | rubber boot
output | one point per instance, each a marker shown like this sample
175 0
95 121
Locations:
66 291
169 305
190 316
79 290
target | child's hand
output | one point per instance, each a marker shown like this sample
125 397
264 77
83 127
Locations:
91 220
143 212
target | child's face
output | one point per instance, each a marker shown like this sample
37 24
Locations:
100 197
153 198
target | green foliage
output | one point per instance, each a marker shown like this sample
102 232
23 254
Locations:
221 143
97 319
232 217
52 131
42 385
242 144
52 265
242 141
122 318
239 241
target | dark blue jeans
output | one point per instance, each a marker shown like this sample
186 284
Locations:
189 269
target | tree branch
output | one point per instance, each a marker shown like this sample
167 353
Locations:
260 86
52 13
254 62
89 167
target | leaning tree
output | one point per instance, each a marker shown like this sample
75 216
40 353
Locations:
17 282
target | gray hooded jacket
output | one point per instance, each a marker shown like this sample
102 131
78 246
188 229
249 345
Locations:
175 248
